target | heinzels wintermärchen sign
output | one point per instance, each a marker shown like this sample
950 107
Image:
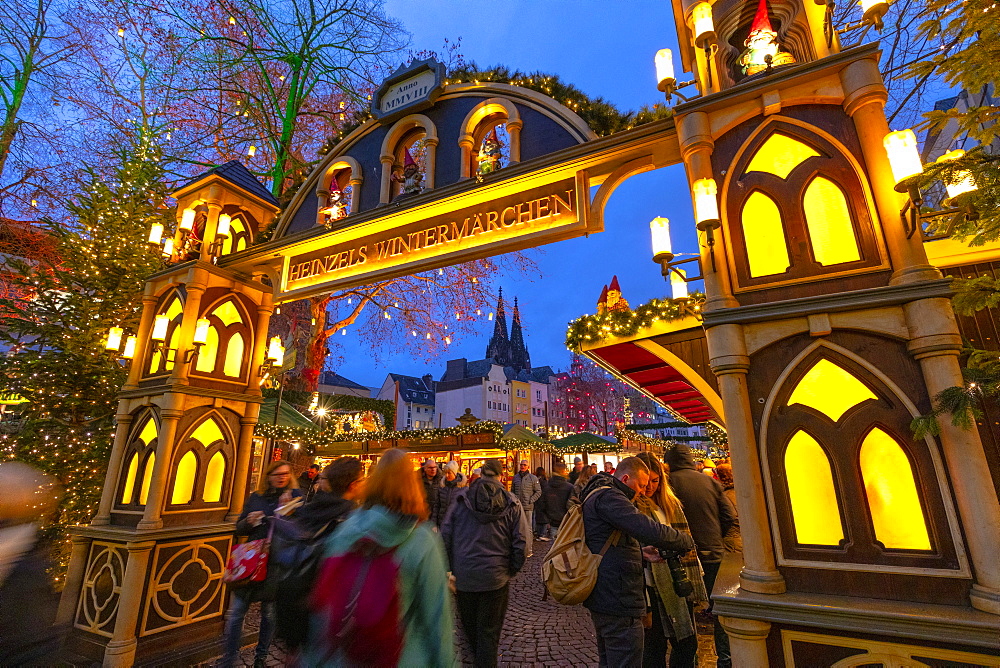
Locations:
486 222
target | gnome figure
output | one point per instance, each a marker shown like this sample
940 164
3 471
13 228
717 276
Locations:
411 179
336 203
602 303
763 51
615 301
489 155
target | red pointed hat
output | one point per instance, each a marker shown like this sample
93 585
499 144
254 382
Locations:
614 284
604 295
761 20
334 186
492 136
408 159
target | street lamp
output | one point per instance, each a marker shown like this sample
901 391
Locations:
906 165
665 80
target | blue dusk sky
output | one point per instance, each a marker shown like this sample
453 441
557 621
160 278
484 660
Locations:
605 49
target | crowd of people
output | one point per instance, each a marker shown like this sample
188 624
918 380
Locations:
395 552
370 570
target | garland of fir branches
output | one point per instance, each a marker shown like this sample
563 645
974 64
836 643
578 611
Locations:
591 328
310 440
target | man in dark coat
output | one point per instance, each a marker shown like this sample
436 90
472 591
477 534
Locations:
577 469
556 497
618 601
308 480
710 515
431 479
485 535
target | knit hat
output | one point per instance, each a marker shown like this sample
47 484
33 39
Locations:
477 471
577 460
452 466
491 467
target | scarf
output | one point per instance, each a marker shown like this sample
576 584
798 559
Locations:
678 621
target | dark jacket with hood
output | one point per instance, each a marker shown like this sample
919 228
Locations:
446 495
619 590
555 499
709 513
484 535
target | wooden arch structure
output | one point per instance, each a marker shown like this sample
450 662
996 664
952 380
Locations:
146 573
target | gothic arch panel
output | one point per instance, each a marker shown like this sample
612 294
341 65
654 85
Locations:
876 402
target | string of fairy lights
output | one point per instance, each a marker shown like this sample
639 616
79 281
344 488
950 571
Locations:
625 323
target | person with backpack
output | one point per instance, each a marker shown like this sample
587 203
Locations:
485 535
277 488
381 597
298 543
614 527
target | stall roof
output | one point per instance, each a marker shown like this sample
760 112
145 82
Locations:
287 416
586 438
520 433
661 362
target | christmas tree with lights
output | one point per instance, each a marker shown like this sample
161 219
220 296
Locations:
54 324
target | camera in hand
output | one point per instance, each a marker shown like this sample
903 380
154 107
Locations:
682 584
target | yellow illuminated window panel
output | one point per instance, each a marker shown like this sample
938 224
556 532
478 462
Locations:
213 478
830 389
148 432
187 469
234 356
147 478
764 235
815 513
241 244
133 469
779 155
207 433
227 313
892 493
209 352
175 309
828 219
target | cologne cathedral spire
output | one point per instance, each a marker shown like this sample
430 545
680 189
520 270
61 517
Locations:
518 351
499 345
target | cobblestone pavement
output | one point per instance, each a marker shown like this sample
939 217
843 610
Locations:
535 633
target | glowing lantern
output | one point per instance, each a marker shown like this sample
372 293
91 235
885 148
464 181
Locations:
706 202
114 338
275 351
962 182
678 286
252 151
155 234
704 26
874 10
201 332
664 69
168 248
222 229
660 230
901 147
187 220
129 351
160 324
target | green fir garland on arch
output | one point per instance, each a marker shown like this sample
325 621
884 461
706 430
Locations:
618 324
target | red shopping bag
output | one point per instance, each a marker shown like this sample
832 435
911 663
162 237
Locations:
248 562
